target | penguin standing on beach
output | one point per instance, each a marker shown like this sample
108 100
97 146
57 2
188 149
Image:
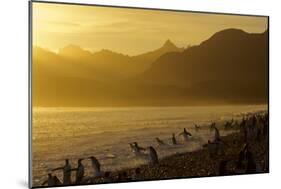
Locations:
185 134
220 144
52 181
66 172
217 134
153 155
174 141
80 171
96 166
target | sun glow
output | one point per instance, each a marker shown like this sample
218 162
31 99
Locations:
128 31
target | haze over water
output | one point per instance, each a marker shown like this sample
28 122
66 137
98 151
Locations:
60 133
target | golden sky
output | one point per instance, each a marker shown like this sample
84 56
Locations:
128 31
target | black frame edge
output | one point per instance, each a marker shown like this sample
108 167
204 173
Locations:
30 36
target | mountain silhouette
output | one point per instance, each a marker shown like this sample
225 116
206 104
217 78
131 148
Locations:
232 64
74 52
146 59
112 64
74 76
168 46
231 67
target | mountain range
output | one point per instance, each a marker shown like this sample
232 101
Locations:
228 68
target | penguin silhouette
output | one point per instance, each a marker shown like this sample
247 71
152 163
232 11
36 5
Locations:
80 171
96 166
153 155
174 141
52 181
217 134
66 172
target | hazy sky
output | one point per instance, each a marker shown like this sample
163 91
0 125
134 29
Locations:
128 31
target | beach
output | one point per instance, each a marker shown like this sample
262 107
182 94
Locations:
189 159
193 164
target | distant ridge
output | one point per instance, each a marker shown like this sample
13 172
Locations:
231 67
231 63
112 64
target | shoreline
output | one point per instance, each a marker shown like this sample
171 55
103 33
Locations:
149 106
192 164
187 165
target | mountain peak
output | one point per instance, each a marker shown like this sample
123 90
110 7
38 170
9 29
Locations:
169 44
229 33
73 51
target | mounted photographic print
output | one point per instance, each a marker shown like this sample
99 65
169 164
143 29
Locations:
120 94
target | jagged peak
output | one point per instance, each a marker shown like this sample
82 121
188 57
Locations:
169 43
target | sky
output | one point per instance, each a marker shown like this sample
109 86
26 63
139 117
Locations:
128 31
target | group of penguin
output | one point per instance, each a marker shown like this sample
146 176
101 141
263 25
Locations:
151 152
215 147
67 169
245 162
253 128
80 170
